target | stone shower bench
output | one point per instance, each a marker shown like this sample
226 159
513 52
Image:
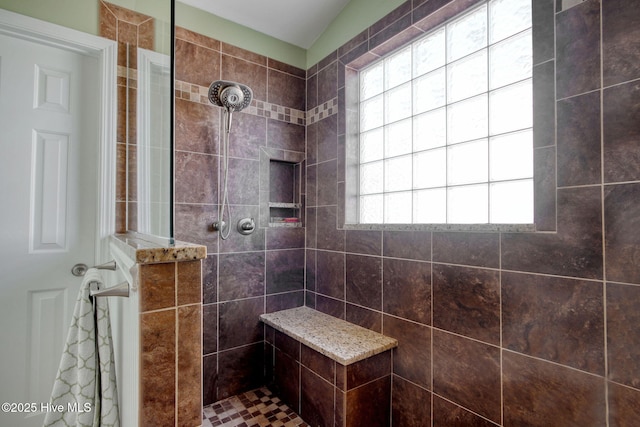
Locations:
331 372
335 338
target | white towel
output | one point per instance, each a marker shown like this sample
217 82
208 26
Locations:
85 385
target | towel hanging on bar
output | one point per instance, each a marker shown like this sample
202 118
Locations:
85 385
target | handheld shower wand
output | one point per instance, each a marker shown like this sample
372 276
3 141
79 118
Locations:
232 97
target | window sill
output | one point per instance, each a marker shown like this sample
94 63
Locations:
507 228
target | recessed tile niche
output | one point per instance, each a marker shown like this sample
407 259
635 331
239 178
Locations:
280 188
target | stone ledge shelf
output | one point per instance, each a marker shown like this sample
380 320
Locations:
147 249
335 338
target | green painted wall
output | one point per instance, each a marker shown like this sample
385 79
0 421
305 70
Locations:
82 15
238 35
354 18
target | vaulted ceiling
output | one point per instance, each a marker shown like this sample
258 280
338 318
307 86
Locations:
299 22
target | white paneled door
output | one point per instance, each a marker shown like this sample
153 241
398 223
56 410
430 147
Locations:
48 179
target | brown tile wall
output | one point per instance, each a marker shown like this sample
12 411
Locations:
171 344
508 329
494 328
244 276
324 392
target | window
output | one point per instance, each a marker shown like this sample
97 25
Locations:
446 124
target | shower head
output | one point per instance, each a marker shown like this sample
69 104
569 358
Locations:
230 95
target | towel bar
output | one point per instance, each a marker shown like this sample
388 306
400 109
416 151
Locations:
119 290
111 265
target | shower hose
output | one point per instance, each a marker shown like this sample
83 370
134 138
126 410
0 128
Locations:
225 166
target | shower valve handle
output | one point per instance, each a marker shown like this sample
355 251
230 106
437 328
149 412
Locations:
246 226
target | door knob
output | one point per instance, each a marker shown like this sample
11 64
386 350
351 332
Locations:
79 270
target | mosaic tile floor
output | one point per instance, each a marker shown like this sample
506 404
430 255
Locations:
254 408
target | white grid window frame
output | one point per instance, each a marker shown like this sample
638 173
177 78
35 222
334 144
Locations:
445 124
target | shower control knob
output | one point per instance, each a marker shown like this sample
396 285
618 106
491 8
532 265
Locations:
219 226
246 226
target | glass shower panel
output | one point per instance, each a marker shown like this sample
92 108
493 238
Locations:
153 149
148 106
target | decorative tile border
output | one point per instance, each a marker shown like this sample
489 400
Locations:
320 112
196 93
